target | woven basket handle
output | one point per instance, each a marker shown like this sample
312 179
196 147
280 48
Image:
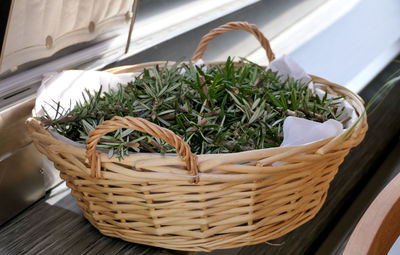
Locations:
139 124
231 26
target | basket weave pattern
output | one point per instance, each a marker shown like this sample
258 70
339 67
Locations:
199 202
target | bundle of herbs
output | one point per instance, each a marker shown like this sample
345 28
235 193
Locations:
215 109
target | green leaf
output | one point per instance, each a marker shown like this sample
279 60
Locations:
110 153
126 132
274 100
87 126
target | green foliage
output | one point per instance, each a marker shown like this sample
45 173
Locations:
216 109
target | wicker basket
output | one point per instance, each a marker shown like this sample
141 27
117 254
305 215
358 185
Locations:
199 202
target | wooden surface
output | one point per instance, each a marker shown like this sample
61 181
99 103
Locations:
379 227
337 239
61 229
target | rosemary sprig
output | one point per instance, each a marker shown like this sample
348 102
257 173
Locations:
221 108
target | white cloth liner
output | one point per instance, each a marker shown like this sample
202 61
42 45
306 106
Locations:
299 131
66 87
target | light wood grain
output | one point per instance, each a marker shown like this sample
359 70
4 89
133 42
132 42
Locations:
379 227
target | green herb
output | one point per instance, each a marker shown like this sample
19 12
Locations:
216 109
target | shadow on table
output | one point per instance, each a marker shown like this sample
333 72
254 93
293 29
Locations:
60 229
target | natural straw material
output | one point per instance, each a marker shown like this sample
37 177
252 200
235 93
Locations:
199 202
